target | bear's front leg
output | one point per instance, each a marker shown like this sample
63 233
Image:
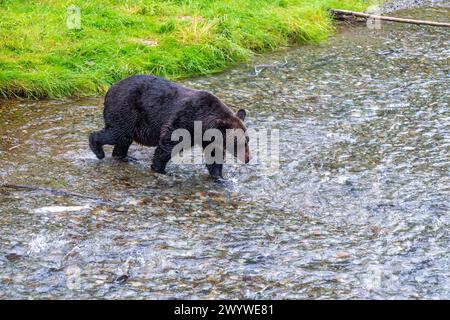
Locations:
215 170
160 160
163 154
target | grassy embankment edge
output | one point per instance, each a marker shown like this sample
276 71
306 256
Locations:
40 57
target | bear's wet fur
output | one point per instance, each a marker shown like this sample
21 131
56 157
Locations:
147 109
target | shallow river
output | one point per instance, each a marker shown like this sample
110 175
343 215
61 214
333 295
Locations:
359 207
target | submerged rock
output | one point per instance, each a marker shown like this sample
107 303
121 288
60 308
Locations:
59 209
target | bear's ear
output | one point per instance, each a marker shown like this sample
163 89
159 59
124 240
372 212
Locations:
241 114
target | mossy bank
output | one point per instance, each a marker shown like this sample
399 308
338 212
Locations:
55 48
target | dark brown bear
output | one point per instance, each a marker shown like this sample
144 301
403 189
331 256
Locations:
147 109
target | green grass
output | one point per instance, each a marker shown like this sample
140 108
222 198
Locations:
41 57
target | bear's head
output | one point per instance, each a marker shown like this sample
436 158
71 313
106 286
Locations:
236 139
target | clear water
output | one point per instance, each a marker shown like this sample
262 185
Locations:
359 208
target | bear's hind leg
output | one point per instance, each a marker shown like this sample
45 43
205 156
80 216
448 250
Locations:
98 139
120 151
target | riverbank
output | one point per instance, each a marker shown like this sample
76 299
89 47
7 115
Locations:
47 51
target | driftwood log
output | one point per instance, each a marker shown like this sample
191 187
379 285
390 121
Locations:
347 14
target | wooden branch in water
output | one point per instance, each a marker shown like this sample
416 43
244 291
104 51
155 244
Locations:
344 14
52 191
